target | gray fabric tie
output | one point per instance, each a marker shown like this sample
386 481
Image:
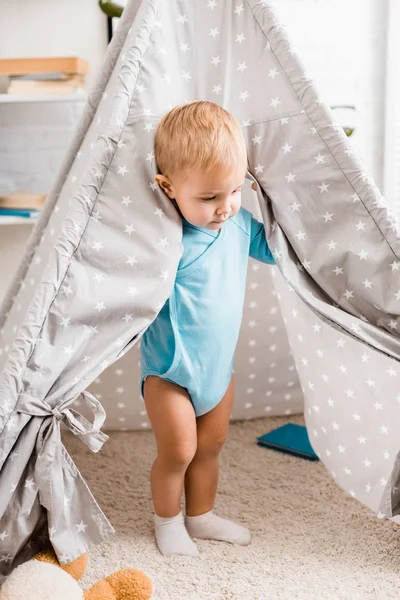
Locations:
88 432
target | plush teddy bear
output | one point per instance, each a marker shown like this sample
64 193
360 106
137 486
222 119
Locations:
42 578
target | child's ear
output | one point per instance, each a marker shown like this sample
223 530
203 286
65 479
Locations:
165 185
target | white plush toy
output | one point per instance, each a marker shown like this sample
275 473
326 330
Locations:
35 580
42 578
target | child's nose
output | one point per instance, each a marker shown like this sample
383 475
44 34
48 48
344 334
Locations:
224 207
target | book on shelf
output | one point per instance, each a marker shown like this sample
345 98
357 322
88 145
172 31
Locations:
22 201
44 75
46 89
63 64
19 212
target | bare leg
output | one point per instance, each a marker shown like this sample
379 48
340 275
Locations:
201 478
173 421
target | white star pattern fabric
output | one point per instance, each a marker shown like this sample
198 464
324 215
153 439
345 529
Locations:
103 257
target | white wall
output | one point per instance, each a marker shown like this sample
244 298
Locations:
342 43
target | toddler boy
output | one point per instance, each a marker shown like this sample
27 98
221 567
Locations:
187 353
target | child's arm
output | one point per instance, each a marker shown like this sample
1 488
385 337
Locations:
259 248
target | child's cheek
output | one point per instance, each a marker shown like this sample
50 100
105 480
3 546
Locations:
206 212
238 203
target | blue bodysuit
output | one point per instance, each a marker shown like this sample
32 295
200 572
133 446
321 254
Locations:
193 339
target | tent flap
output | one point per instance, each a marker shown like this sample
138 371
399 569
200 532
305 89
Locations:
103 259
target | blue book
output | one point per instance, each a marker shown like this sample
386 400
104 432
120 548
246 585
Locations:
19 212
291 439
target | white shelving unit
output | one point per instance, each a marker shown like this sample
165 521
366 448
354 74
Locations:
79 95
4 220
22 114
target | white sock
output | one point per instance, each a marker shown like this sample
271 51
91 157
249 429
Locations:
212 527
172 536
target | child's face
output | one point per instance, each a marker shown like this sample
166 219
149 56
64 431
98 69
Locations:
205 200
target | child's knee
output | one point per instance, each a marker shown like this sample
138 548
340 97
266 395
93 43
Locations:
178 457
210 446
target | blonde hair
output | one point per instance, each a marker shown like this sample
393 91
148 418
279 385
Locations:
199 135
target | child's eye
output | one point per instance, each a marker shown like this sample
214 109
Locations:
212 198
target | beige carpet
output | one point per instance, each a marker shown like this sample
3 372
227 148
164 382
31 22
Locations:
310 540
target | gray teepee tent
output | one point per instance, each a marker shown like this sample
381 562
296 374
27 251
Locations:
101 263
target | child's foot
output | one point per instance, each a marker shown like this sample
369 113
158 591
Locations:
172 536
211 527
